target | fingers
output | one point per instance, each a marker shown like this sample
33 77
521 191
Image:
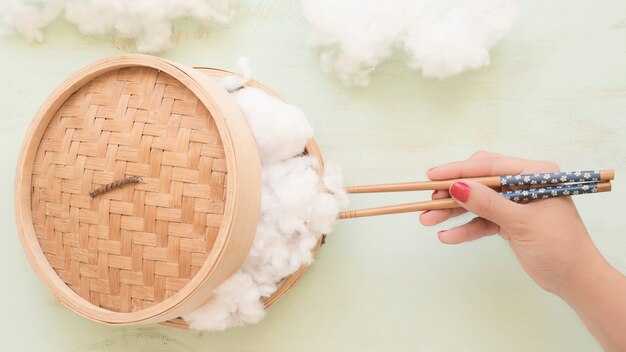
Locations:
473 230
487 203
493 210
435 217
487 164
483 154
440 194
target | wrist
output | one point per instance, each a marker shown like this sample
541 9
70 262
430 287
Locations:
589 272
596 294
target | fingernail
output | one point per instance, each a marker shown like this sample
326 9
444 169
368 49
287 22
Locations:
460 191
426 212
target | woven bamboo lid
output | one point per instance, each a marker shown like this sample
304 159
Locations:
153 250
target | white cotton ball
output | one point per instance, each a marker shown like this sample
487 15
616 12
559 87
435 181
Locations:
454 39
28 18
155 37
441 37
298 205
102 15
231 82
245 68
302 250
148 22
333 182
355 36
235 302
290 188
324 211
214 315
281 130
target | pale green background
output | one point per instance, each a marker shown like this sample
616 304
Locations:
556 90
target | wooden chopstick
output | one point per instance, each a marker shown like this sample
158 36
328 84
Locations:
523 195
447 203
558 178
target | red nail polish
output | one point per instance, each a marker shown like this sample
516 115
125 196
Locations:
460 191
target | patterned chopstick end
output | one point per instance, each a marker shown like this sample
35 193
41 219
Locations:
551 178
526 195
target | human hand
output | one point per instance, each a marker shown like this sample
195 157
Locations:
547 236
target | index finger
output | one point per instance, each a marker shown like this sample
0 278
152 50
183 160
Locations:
488 166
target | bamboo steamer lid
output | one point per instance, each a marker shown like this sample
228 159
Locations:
150 251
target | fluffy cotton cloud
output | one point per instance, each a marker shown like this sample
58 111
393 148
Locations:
148 22
441 37
298 205
289 132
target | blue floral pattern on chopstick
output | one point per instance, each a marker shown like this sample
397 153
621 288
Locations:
550 178
525 195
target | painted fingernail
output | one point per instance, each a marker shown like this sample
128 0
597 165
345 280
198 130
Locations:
460 191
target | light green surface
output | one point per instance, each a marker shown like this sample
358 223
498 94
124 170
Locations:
556 90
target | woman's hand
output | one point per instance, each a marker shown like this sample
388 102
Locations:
547 236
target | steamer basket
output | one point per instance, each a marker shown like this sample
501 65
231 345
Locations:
145 252
151 251
311 149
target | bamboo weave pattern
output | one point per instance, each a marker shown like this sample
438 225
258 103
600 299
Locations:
134 246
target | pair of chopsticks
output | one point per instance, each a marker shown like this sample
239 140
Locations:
518 188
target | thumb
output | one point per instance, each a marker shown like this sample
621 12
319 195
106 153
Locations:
485 202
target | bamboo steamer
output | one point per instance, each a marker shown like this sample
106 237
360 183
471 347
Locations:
151 251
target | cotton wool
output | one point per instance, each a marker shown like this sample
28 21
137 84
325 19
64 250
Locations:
298 205
289 130
440 37
148 22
